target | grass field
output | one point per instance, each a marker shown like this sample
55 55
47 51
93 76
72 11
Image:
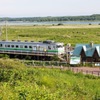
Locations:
68 34
18 82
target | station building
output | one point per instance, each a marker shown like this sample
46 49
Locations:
88 52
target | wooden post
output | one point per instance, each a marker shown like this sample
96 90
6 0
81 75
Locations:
61 67
77 70
98 74
92 72
82 70
86 71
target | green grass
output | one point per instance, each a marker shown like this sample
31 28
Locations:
17 82
66 35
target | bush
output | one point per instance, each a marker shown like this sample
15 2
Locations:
60 24
55 58
4 56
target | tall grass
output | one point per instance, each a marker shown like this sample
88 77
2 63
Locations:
40 33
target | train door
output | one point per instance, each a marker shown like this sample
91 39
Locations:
34 48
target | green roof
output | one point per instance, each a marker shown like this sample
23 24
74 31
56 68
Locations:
88 49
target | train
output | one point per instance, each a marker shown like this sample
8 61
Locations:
48 47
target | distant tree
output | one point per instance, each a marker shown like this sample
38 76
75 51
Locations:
60 24
90 24
99 24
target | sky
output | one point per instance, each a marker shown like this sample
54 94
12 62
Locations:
42 8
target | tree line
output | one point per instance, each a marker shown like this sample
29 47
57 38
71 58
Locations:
93 17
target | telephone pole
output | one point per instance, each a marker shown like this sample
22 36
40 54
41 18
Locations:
0 30
6 30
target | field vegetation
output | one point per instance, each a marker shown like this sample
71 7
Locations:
18 82
66 34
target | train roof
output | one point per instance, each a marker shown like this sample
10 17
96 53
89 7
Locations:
31 42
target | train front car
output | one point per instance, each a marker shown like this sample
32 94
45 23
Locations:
54 48
60 48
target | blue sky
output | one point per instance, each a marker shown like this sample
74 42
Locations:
36 8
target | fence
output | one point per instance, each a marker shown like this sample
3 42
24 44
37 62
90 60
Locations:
89 64
85 71
66 66
45 63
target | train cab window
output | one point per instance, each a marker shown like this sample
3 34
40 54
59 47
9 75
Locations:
59 46
30 46
0 45
16 46
26 47
12 46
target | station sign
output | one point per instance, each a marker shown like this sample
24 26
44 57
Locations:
75 60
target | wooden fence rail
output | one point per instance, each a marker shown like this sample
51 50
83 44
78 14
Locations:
64 66
95 72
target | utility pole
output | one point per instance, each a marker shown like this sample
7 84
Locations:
0 30
6 30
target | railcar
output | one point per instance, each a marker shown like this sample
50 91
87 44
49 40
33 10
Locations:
42 47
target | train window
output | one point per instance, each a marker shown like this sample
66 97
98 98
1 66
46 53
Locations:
21 46
30 46
12 46
54 47
25 46
16 46
41 48
8 45
34 48
0 45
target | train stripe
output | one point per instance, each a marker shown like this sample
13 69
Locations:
22 49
